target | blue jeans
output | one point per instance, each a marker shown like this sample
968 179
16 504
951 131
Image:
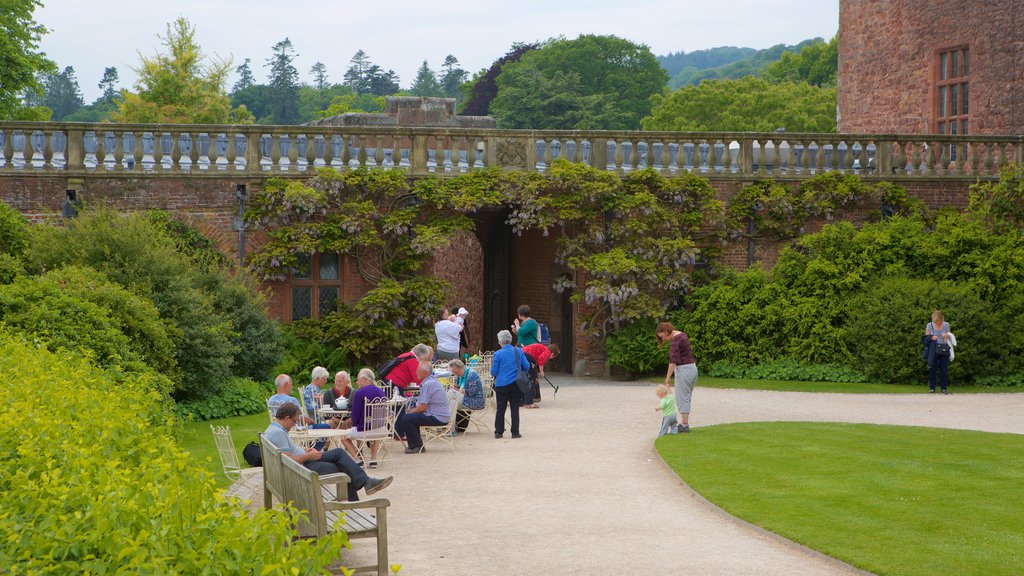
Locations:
939 367
408 425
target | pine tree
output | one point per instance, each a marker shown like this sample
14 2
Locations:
245 77
426 83
452 76
284 84
356 77
108 83
319 72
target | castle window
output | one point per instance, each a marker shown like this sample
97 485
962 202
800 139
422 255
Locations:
952 102
315 285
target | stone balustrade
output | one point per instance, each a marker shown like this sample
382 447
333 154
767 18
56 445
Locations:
157 150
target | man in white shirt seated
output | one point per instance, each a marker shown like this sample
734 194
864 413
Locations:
329 462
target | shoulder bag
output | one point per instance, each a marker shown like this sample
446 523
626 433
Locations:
523 378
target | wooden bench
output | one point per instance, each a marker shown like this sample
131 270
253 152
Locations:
289 481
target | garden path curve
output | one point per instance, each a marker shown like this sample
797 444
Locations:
584 493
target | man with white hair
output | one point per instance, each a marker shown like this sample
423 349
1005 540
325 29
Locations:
430 408
342 389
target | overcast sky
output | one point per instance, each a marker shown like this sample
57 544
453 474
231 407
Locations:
400 34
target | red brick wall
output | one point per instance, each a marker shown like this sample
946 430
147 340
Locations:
887 60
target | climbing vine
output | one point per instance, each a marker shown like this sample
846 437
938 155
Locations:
779 211
630 240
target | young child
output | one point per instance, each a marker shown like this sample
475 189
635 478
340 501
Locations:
667 407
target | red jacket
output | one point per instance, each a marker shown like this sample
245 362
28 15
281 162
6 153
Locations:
539 352
404 373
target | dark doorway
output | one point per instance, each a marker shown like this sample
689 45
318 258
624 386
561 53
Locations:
497 281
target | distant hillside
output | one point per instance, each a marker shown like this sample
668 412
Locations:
675 62
749 65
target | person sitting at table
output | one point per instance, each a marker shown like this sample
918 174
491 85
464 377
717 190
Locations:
430 408
342 388
329 462
368 391
539 354
404 373
473 392
314 390
283 382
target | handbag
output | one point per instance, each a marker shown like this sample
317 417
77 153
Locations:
941 347
523 378
252 455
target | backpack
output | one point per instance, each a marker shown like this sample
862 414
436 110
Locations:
545 336
390 364
251 454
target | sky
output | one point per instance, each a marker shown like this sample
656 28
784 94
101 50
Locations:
401 34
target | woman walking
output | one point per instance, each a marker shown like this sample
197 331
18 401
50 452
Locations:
504 367
680 364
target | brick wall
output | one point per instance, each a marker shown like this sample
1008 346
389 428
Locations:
887 62
210 204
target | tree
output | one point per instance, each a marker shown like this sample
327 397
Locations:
426 83
529 99
245 77
355 77
622 74
745 105
284 84
452 76
180 87
61 93
20 59
816 64
108 84
482 89
381 82
319 72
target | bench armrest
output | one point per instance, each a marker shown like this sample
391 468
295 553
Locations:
345 505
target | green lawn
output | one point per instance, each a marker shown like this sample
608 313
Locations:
841 387
198 440
892 500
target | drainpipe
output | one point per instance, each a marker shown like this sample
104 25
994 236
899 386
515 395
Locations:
241 194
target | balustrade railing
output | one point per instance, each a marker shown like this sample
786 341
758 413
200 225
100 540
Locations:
294 151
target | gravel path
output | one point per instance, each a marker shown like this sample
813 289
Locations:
583 492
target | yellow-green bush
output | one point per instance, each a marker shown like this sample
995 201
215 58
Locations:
93 482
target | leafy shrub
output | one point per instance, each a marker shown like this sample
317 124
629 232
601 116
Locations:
1001 380
13 231
10 268
302 355
635 348
139 255
237 397
257 338
109 491
885 324
788 369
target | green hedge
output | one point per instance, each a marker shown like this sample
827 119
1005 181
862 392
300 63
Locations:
237 397
92 481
